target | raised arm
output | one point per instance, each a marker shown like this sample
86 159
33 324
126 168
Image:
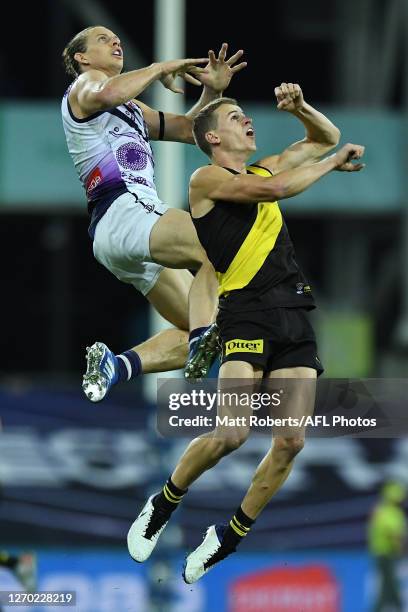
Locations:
213 183
93 91
216 78
320 138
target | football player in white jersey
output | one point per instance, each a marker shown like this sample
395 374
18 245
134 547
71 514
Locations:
137 237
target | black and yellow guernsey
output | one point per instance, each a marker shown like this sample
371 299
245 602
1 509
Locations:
253 255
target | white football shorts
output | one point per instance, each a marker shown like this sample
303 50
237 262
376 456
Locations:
122 236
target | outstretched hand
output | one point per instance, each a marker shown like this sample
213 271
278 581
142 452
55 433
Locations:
185 68
220 71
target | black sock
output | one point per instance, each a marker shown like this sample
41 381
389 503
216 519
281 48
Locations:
169 497
239 526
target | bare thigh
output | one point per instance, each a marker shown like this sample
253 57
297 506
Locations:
240 371
174 242
236 377
169 296
299 386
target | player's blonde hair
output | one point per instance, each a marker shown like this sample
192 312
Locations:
78 44
206 120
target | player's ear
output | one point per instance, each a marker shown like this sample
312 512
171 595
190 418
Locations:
212 138
81 59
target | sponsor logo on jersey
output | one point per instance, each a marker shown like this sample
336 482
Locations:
243 346
301 288
93 180
147 205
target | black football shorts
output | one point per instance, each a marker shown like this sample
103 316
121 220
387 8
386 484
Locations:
272 339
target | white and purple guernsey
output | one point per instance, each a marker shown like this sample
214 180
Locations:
112 155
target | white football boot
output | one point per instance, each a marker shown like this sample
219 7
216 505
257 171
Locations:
205 556
102 371
145 531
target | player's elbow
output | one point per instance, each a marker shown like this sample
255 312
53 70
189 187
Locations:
333 138
328 141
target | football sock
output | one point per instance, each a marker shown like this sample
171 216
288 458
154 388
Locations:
194 337
239 526
129 365
169 497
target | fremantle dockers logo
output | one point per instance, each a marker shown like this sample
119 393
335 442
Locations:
132 156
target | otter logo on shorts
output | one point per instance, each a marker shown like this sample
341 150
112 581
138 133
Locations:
243 346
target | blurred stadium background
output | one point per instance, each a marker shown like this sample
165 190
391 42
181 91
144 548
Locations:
73 475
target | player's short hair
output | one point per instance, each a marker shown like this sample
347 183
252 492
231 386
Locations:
78 44
206 120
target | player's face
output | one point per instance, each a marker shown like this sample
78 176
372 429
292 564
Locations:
235 129
104 51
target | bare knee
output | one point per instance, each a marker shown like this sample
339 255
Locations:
288 448
236 439
228 443
277 461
